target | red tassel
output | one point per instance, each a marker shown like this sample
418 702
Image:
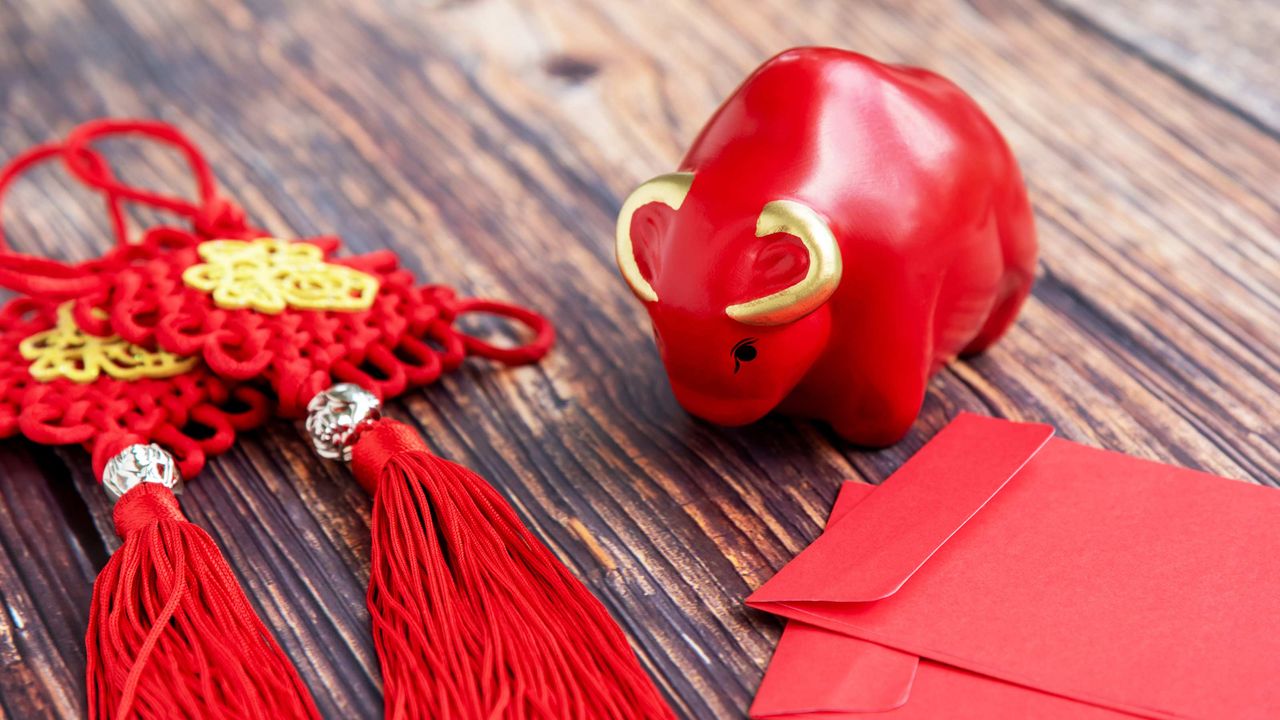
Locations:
472 616
171 634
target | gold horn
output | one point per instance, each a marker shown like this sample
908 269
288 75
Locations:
821 280
670 190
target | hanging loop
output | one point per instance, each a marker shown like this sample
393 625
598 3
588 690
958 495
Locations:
46 277
79 144
211 215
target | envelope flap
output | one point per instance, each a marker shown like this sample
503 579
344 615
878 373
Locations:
815 670
893 532
819 671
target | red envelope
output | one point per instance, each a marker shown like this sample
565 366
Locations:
819 674
1030 577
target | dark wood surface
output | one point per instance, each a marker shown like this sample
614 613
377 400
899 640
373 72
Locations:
489 142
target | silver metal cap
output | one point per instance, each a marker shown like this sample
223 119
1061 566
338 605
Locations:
139 464
336 417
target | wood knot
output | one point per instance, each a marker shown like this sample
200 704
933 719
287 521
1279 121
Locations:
571 69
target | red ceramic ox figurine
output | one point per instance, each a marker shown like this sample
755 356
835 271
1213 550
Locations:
839 231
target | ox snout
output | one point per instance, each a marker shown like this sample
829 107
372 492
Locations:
719 408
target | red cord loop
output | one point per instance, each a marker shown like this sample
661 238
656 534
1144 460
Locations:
78 148
211 215
532 351
42 153
46 277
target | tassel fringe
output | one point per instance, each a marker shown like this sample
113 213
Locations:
473 617
171 634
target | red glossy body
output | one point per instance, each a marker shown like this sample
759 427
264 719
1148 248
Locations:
927 206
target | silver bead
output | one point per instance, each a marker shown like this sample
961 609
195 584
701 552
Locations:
139 464
336 417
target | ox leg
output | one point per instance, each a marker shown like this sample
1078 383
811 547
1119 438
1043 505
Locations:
1015 287
881 423
1018 251
870 398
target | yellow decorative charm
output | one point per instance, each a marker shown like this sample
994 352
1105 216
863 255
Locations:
269 275
65 351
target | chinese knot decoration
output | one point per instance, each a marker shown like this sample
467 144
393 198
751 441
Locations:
67 378
158 353
839 230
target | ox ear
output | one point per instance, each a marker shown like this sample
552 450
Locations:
642 222
649 227
821 274
779 261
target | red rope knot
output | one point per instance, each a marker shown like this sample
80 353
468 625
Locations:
442 297
380 444
144 506
220 218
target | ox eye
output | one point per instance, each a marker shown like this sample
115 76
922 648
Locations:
744 351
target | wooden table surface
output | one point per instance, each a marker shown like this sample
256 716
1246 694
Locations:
489 143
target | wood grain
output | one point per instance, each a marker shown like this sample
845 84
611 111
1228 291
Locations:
489 143
1225 52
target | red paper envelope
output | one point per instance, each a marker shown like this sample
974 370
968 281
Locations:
819 674
1028 570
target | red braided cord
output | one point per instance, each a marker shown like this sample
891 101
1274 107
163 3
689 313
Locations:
530 352
44 276
40 153
97 176
211 215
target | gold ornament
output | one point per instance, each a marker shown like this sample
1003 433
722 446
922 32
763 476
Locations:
269 275
66 351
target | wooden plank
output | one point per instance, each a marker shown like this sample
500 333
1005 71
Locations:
49 551
489 142
1225 51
